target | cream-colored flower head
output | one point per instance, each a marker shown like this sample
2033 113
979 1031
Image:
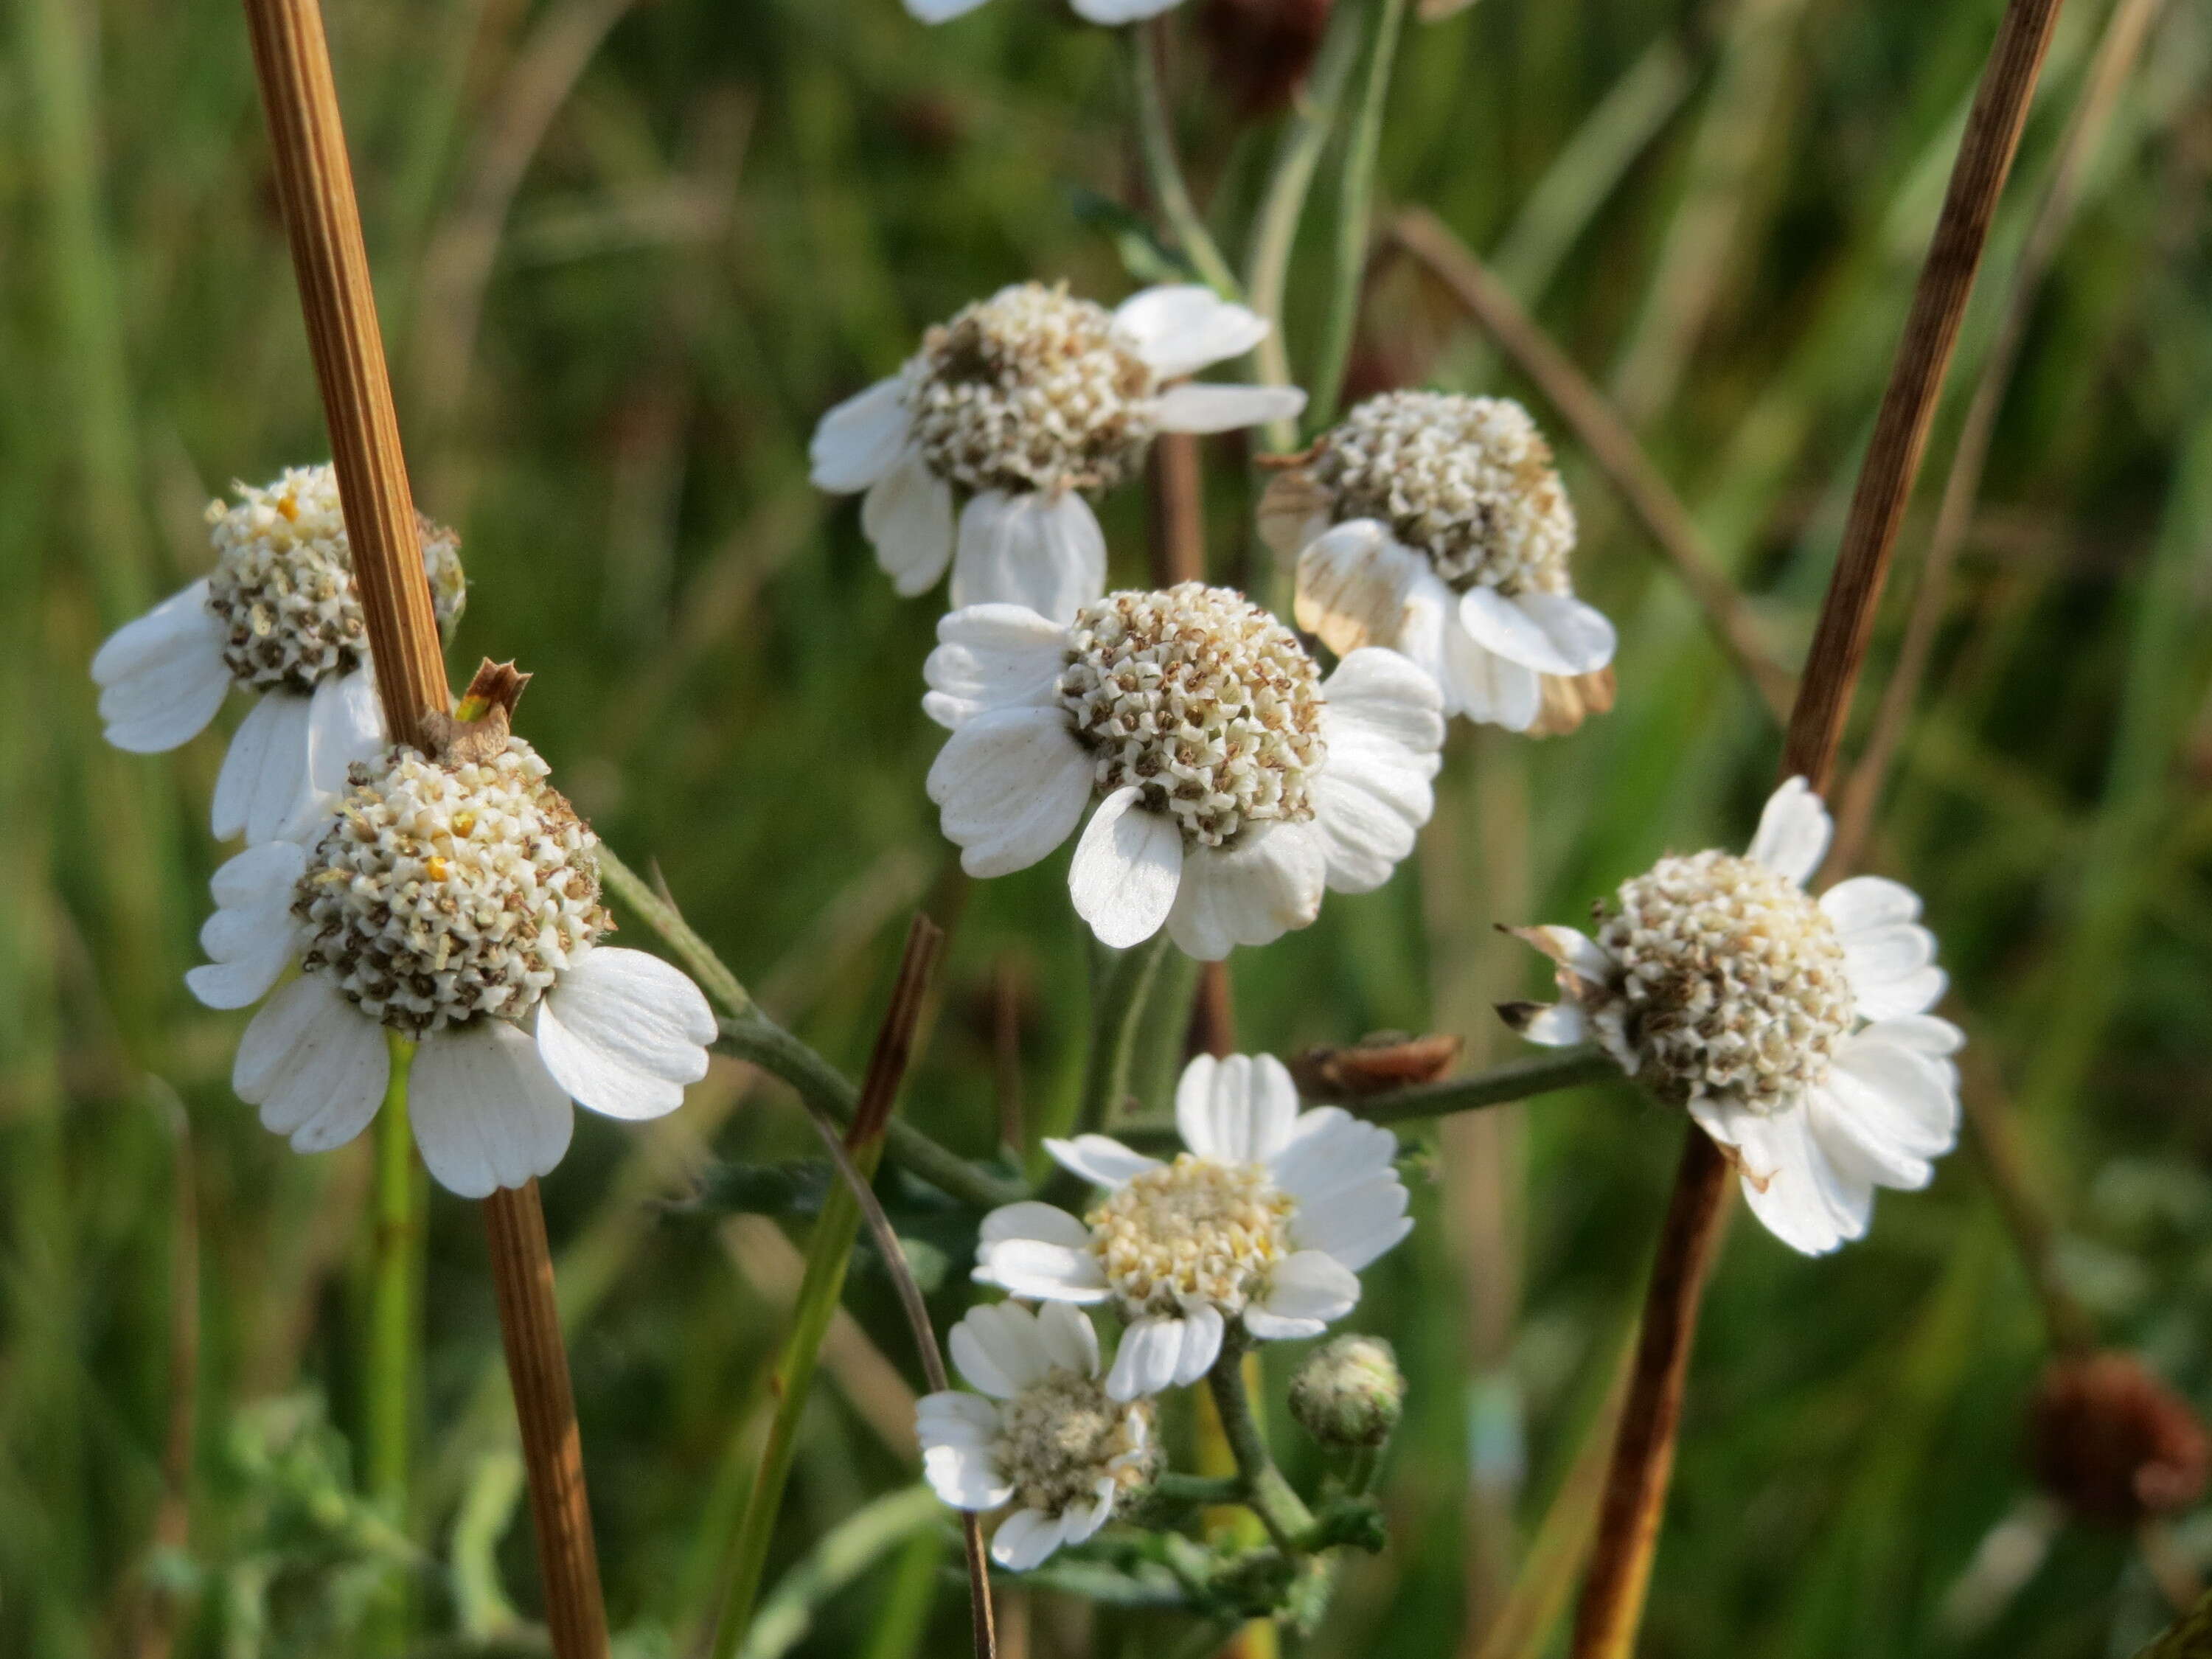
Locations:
1234 782
453 902
1436 525
1267 1219
1043 1435
1024 402
278 616
1795 1030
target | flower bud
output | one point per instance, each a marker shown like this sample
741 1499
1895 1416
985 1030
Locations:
2114 1443
1349 1392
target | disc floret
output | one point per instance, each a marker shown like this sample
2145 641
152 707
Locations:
446 890
1201 700
1060 1438
1196 1231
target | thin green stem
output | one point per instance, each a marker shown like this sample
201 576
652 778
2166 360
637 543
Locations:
1197 1491
1355 206
697 955
1271 1497
395 1315
1120 1017
1275 228
1163 171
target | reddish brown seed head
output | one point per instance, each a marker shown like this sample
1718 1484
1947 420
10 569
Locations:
2114 1443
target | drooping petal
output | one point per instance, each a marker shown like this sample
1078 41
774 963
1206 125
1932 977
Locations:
1032 1217
992 656
1485 687
956 1450
1793 832
1179 328
1268 883
487 1112
250 938
1025 1538
1202 1328
162 677
1857 1149
1573 950
1071 1340
264 783
1371 800
1046 552
1354 583
314 1064
623 1031
1206 407
1581 633
1083 1520
1310 1288
1549 1025
860 440
1100 1159
1011 784
1865 902
1128 869
1508 629
1786 1180
997 1349
1381 697
1146 1363
1907 1097
1041 1270
907 516
345 725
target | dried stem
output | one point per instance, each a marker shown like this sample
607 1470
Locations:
1608 438
314 184
1636 1485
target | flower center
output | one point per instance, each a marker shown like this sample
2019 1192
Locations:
1029 390
1201 700
1467 481
1735 982
1059 1438
282 584
1192 1230
442 893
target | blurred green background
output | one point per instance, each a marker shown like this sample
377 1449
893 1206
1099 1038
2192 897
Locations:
627 253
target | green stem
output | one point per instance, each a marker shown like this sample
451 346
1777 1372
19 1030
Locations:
697 955
1271 1497
1156 138
1275 228
1197 1491
1355 204
1120 1017
395 1315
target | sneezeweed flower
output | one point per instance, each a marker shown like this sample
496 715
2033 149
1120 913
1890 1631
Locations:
1795 1031
1096 11
1436 525
1047 1439
1266 1219
278 616
1234 783
452 900
1024 401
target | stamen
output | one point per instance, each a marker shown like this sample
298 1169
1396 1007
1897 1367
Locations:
1192 1231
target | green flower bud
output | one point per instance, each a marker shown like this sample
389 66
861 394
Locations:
1349 1392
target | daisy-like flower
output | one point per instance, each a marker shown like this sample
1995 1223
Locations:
1436 525
1795 1030
278 616
1024 401
1268 1217
1047 1439
454 902
1096 11
1234 782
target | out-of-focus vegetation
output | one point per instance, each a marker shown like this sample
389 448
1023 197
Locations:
627 253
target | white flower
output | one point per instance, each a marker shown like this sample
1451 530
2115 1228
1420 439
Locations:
1797 1032
1047 1439
1268 1217
455 904
1234 782
1096 11
1435 523
1024 400
277 615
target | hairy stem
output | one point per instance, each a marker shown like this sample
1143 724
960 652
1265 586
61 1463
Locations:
1120 1017
1271 1497
1163 171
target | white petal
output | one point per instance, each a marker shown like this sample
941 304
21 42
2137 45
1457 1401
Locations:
1355 1224
250 937
1893 999
1238 1109
1071 1340
1028 1217
996 1350
1559 1025
1486 687
345 725
1876 956
1383 698
622 1032
1355 583
1178 328
1371 800
1026 1538
1857 1148
1011 784
162 677
1580 633
861 439
1099 1159
487 1112
1120 11
1923 1033
956 1453
992 656
1046 552
1508 629
1793 832
1907 1097
907 516
1786 1180
1329 1149
264 784
1268 883
1083 1520
1870 902
1202 1328
937 11
1146 1362
1126 870
1206 407
314 1064
1047 1272
1310 1287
